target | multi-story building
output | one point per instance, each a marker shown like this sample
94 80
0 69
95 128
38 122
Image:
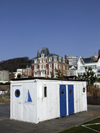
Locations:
46 62
93 62
72 60
27 72
72 71
4 76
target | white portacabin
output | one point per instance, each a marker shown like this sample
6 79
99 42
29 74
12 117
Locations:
39 99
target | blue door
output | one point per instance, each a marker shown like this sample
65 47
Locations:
70 99
62 100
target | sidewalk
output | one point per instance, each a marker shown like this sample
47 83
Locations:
51 126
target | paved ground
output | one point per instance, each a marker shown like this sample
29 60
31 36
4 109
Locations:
52 126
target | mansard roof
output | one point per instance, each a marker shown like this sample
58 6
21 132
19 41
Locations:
52 54
45 51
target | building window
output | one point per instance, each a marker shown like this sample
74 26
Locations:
83 89
99 71
55 73
50 72
23 71
62 91
45 91
98 75
55 66
92 66
35 73
41 66
50 66
17 93
50 59
42 55
59 66
80 74
59 59
81 68
70 91
40 60
44 60
35 60
44 66
63 67
35 67
55 59
63 60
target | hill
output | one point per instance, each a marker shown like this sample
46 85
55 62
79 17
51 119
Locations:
13 64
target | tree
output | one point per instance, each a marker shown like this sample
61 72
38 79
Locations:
89 76
52 74
79 77
59 74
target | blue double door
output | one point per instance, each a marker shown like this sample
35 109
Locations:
63 103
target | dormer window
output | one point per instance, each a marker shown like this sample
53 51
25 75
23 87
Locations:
55 58
59 59
63 60
50 58
42 55
35 60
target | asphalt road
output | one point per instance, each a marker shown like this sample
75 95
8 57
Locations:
51 126
4 111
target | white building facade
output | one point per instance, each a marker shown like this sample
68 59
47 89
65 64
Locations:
93 62
19 72
4 76
72 60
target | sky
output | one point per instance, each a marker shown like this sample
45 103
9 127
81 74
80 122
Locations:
66 27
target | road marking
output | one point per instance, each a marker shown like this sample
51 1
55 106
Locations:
86 126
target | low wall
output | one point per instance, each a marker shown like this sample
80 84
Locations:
4 87
93 100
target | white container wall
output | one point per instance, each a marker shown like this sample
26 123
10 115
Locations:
35 100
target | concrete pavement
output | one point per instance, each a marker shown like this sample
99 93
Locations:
51 126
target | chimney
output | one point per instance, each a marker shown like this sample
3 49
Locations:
65 58
99 54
